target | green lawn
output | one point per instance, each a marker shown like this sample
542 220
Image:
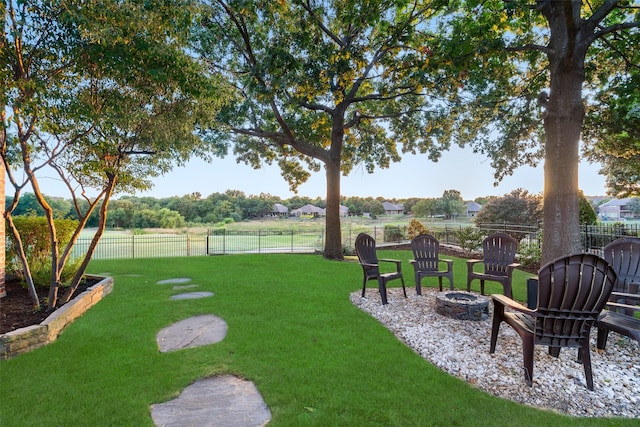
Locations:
315 358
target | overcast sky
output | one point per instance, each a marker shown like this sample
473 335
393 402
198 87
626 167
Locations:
414 176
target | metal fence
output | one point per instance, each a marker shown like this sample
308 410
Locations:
222 241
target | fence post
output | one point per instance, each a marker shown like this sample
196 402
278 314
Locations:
188 246
259 241
292 240
224 241
133 246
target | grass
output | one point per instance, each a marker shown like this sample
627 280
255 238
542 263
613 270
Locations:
315 358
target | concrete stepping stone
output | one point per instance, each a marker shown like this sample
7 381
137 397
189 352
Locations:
176 280
223 401
192 332
191 295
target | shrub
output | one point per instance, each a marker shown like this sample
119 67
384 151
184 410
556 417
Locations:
34 233
416 228
469 239
530 253
393 233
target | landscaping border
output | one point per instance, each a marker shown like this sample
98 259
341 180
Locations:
29 338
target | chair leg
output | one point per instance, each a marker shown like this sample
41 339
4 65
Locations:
498 316
507 289
382 287
364 286
440 282
603 334
450 277
527 352
418 284
586 362
404 290
481 287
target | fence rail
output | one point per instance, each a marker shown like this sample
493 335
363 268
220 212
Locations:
222 241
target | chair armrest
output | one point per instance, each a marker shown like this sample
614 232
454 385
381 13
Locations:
508 302
473 261
622 295
514 265
364 264
412 261
397 261
449 262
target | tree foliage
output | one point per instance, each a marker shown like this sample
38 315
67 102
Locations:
518 207
527 64
102 95
330 84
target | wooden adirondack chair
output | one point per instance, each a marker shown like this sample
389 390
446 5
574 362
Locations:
366 251
498 256
426 261
623 255
572 291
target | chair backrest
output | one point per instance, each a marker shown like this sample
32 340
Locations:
366 251
498 251
572 291
623 255
425 249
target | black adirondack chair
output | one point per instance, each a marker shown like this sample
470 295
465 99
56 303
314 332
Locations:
498 257
623 255
426 261
572 291
366 251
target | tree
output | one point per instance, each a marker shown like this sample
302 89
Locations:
611 133
587 213
424 208
450 204
518 208
528 64
329 84
105 96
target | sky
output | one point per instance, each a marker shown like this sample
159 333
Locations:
414 176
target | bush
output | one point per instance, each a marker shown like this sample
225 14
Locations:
34 233
416 228
530 253
469 239
393 233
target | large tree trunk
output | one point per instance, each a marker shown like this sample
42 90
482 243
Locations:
563 121
333 242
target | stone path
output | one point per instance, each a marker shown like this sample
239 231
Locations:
217 401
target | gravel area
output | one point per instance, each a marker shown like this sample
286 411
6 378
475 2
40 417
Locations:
461 348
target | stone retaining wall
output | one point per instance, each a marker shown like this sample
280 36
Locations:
31 337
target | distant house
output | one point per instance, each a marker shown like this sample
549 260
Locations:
392 208
344 211
308 209
473 208
280 210
615 209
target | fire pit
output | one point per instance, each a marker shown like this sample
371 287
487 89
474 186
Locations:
462 305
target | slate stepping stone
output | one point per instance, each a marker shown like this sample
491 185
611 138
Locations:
218 401
192 332
191 295
176 280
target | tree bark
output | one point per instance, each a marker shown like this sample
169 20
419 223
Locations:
333 241
563 121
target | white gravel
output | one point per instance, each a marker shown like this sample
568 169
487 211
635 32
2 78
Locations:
461 348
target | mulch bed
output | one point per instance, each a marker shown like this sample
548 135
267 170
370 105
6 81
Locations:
16 308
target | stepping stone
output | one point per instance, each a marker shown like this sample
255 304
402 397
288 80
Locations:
192 295
177 280
218 401
192 332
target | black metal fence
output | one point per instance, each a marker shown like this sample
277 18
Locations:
222 241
